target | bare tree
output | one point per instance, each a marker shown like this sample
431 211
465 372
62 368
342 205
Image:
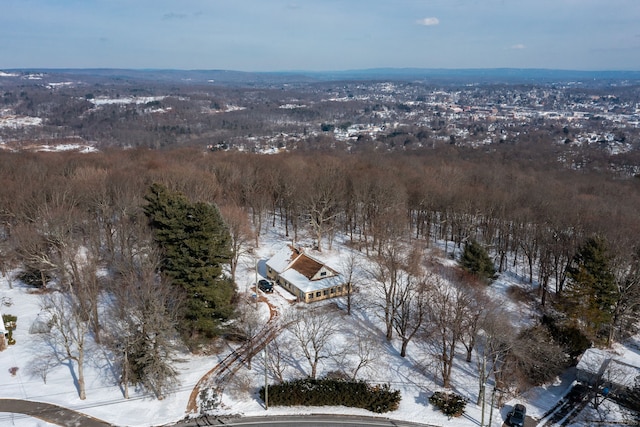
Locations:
364 351
350 269
627 304
41 364
312 331
323 198
411 307
447 314
33 251
385 272
54 245
237 221
255 192
249 324
69 331
494 341
278 349
480 306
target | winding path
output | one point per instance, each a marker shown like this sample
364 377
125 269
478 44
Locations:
223 371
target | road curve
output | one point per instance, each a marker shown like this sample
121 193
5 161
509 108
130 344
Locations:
69 418
316 420
51 413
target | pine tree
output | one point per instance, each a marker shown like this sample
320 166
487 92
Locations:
476 260
591 292
196 245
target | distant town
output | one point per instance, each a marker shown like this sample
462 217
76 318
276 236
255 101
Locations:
96 109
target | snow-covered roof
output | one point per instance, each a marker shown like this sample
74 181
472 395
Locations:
592 360
281 259
601 366
303 271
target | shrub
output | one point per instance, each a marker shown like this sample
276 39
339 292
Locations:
34 277
330 392
209 399
570 337
9 321
451 404
535 358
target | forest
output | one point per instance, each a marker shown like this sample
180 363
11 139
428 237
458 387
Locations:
84 224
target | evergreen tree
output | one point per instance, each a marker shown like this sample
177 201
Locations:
476 260
196 244
591 289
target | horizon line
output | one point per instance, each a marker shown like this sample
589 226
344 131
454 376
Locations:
347 70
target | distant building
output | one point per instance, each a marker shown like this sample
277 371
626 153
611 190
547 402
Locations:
600 369
307 278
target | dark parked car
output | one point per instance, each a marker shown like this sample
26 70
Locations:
265 285
517 415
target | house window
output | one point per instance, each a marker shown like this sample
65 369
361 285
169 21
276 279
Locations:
339 288
333 291
324 292
323 273
311 295
318 294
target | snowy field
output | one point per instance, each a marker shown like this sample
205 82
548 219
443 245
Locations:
21 366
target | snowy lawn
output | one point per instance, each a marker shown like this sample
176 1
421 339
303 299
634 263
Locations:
22 366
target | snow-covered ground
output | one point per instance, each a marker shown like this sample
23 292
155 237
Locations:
16 122
413 375
125 100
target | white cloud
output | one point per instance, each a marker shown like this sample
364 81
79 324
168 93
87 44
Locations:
518 46
171 16
428 22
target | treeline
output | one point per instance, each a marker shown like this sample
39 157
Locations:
519 206
65 217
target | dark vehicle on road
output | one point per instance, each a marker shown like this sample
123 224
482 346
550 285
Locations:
265 285
517 415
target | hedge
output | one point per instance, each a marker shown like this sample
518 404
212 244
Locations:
333 392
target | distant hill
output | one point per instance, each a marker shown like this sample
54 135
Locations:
482 74
439 75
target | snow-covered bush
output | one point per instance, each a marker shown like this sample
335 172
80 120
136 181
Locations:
451 404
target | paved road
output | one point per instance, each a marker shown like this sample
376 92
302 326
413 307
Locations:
50 413
299 420
68 418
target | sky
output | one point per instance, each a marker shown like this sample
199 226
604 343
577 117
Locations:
320 35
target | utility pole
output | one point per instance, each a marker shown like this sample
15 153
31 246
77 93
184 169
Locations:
266 379
484 386
256 283
493 395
